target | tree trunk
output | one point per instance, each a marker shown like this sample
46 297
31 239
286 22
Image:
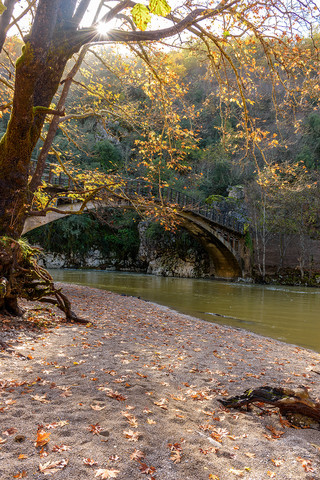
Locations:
38 74
16 147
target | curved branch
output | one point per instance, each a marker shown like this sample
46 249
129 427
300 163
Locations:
88 35
114 11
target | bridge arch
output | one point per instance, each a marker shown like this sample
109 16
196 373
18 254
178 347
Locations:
225 250
225 247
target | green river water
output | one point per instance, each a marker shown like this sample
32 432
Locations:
290 314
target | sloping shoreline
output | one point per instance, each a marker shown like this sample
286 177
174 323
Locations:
146 379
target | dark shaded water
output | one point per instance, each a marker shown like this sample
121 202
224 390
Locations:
290 314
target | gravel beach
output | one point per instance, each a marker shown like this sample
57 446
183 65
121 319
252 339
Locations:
135 396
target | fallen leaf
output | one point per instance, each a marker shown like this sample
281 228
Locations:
114 458
20 474
43 438
41 398
208 450
131 435
137 455
179 398
89 461
67 393
22 456
176 452
52 467
61 448
116 395
150 421
306 464
147 410
131 419
146 470
162 403
269 437
54 425
106 473
175 456
238 473
250 455
97 407
43 453
275 433
222 432
95 429
10 431
284 422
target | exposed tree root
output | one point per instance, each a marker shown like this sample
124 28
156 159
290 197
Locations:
291 402
22 277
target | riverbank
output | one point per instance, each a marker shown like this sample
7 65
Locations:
136 396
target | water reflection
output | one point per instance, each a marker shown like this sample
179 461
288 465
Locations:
290 314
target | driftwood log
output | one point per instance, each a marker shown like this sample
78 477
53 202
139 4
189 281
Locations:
291 402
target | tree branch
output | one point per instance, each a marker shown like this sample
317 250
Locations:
88 35
114 11
81 10
5 20
48 111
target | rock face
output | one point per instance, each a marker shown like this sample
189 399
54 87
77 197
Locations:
94 259
159 254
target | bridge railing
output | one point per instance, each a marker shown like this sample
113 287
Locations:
165 194
172 196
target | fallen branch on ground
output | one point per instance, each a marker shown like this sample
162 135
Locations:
289 401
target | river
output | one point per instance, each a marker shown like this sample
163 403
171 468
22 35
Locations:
290 314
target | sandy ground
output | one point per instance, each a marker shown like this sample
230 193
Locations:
135 397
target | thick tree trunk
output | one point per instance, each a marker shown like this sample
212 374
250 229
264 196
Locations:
8 288
39 70
38 74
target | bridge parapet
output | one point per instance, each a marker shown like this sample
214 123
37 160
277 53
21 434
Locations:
186 202
223 234
137 187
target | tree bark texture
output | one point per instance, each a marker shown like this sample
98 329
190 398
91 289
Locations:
38 74
39 69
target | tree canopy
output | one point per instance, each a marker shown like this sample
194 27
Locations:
56 36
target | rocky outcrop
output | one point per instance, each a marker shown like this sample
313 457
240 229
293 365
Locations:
165 258
161 255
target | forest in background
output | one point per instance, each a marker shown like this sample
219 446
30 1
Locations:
116 120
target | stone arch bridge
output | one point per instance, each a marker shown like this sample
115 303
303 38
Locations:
221 234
